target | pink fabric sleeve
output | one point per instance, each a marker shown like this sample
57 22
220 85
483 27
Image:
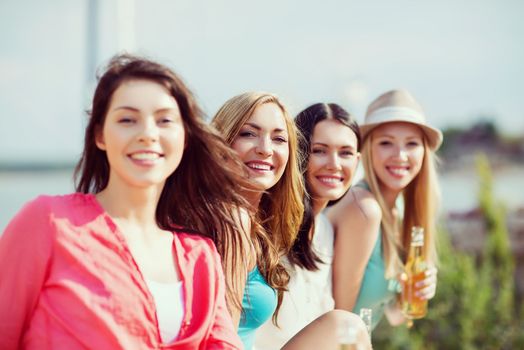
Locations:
223 334
25 250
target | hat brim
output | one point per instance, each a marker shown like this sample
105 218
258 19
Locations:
433 136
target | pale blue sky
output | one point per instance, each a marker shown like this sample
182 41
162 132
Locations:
460 59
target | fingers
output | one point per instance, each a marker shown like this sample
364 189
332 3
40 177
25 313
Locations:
427 287
427 293
432 271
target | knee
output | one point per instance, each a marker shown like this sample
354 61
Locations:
341 319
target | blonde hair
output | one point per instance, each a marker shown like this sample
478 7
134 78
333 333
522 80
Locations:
421 202
281 209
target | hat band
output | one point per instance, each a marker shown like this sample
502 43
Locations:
391 114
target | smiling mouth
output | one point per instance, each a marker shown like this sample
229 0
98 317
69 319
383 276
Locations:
330 179
260 166
398 171
145 156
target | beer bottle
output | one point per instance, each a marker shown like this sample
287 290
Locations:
413 306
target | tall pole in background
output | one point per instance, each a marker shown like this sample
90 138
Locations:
121 24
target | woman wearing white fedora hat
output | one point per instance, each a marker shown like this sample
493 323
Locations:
372 235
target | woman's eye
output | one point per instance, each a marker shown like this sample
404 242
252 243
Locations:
126 120
166 120
346 154
246 134
384 143
317 151
280 139
413 143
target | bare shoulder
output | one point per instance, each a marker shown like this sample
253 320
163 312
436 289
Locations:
244 224
357 205
243 221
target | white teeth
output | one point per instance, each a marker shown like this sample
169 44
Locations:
329 179
259 166
399 171
145 156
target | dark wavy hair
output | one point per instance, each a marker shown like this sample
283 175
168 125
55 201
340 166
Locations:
201 196
301 253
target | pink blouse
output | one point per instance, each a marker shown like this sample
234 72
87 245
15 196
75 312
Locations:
69 281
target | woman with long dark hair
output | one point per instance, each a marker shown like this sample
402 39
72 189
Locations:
129 261
330 146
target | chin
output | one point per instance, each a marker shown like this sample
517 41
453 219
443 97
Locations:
398 187
264 184
334 197
327 195
145 183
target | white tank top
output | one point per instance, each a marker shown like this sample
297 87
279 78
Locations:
309 293
169 302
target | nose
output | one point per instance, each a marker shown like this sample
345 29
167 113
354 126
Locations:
402 153
149 132
333 162
264 147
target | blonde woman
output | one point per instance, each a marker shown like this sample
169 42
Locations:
259 128
372 236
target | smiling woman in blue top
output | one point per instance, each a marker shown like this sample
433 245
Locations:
260 130
372 236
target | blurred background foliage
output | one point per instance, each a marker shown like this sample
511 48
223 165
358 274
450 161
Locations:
477 305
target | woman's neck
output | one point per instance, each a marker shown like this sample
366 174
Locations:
135 206
318 205
390 196
254 198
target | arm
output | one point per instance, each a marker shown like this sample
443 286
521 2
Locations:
356 220
25 250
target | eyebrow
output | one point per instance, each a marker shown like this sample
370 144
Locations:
326 145
134 109
392 136
255 126
126 107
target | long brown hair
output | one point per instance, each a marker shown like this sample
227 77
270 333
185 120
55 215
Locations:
280 210
202 193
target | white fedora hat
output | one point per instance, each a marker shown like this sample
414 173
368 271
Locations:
399 106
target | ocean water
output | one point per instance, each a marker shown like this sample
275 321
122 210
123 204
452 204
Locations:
459 189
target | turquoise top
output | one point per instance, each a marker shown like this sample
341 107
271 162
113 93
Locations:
375 290
258 304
